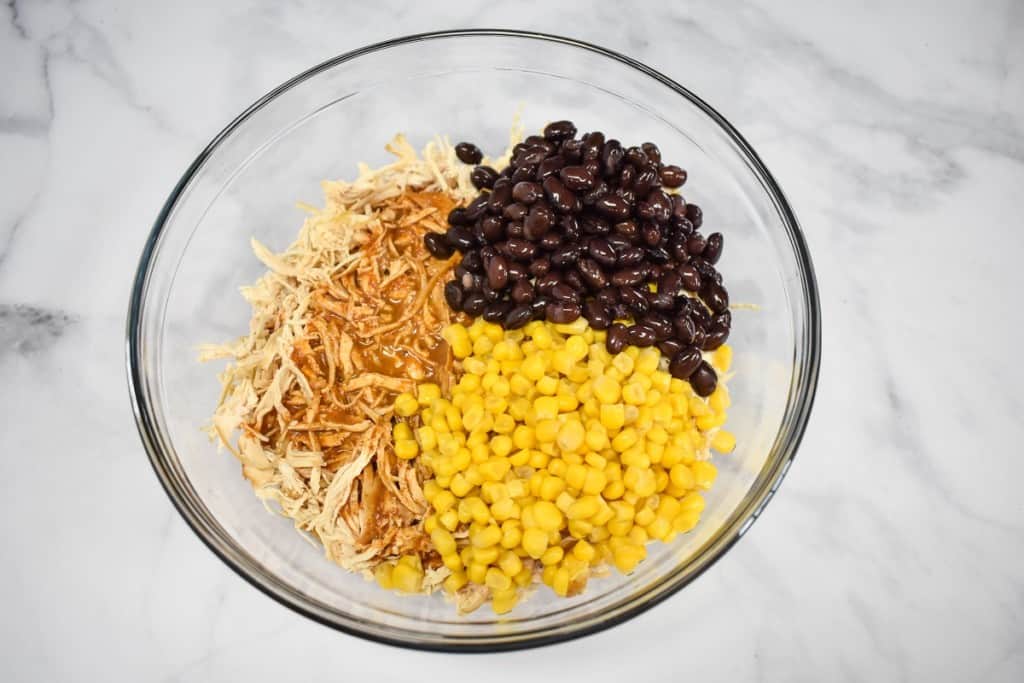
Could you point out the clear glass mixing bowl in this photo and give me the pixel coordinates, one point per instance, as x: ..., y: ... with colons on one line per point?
x: 468, y: 85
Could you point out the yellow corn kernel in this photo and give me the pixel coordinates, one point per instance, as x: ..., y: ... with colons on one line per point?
x: 625, y: 440
x: 534, y: 367
x: 406, y: 449
x: 624, y: 363
x: 697, y: 407
x: 535, y: 542
x: 685, y: 521
x: 570, y: 436
x: 427, y: 393
x: 383, y: 574
x: 647, y: 361
x: 427, y: 438
x: 692, y: 502
x: 476, y: 572
x: 613, y: 490
x: 406, y: 578
x: 443, y: 541
x: 510, y: 563
x: 449, y: 519
x: 545, y: 408
x: 505, y: 509
x: 551, y: 487
x: 547, y: 516
x: 497, y: 580
x: 495, y: 469
x: 539, y: 458
x: 634, y: 394
x: 546, y: 431
x: 644, y: 516
x: 704, y: 474
x: 723, y: 441
x: 682, y: 476
x: 547, y: 385
x: 443, y: 501
x: 584, y: 507
x: 594, y: 481
x: 668, y: 507
x: 659, y: 529
x: 560, y: 582
x: 460, y: 486
x: 402, y: 432
x: 511, y: 536
x: 575, y: 476
x: 520, y: 385
x: 722, y: 358
x: 612, y: 416
x: 606, y: 389
x: 406, y: 404
x: 552, y: 555
x: 524, y: 578
x: 580, y: 528
x: 485, y: 537
x: 638, y: 535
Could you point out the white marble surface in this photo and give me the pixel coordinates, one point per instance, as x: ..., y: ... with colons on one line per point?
x: 895, y: 549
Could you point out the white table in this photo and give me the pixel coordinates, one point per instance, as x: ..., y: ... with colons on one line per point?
x: 895, y: 548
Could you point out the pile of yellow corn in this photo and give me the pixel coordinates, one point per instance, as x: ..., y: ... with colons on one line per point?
x: 552, y: 455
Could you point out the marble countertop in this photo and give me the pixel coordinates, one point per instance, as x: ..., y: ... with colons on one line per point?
x: 895, y: 548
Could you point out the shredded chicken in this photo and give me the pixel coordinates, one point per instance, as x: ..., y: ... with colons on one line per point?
x: 345, y: 318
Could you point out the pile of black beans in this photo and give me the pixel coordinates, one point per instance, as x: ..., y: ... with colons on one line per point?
x: 581, y: 226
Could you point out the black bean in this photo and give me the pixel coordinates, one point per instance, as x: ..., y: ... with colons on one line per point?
x: 438, y: 245
x: 592, y: 145
x: 621, y: 311
x: 685, y: 362
x: 497, y: 272
x: 460, y: 238
x: 706, y: 270
x: 514, y: 229
x: 631, y: 275
x: 472, y: 262
x: 468, y: 153
x: 561, y: 197
x: 685, y: 328
x: 716, y: 336
x: 600, y: 190
x: 658, y: 255
x: 490, y: 293
x: 597, y: 315
x: 704, y: 380
x: 713, y: 249
x: 646, y: 180
x: 592, y: 167
x: 483, y: 177
x: 549, y: 166
x: 651, y: 234
x: 633, y: 299
x: 669, y: 348
x: 679, y: 209
x: 670, y: 284
x: 500, y: 195
x: 577, y: 178
x: 636, y: 156
x: 474, y: 303
x: 611, y: 158
x: 547, y: 281
x: 458, y: 217
x: 570, y: 228
x: 573, y: 279
x: 631, y: 256
x: 641, y: 335
x: 652, y: 152
x: 690, y: 278
x: 515, y: 211
x: 700, y: 315
x: 677, y: 247
x: 661, y: 325
x: 696, y: 244
x: 724, y: 319
x: 699, y: 336
x: 572, y: 151
x: 626, y: 176
x: 565, y: 255
x: 496, y: 312
x: 661, y: 205
x: 695, y: 215
x: 617, y: 338
x: 672, y: 176
x: 601, y: 251
x: 531, y: 156
x: 453, y: 294
x: 558, y: 131
x: 535, y: 141
x: 591, y: 273
x: 716, y: 297
x: 661, y: 301
x: 538, y: 221
x: 527, y: 192
x: 476, y: 208
x: 523, y: 174
x: 518, y: 317
x: 492, y: 228
x: 538, y: 306
x: 563, y: 292
x: 517, y: 271
x: 540, y: 267
x: 472, y: 282
x: 523, y: 292
x: 561, y: 312
x: 550, y: 241
x: 613, y: 206
x: 617, y: 241
x: 608, y: 296
x: 520, y: 249
x: 595, y: 225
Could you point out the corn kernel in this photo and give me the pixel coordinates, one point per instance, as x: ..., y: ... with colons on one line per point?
x: 571, y: 435
x: 625, y: 440
x: 612, y: 416
x: 535, y: 542
x: 624, y: 363
x: 495, y: 469
x: 594, y: 481
x: 511, y: 537
x: 704, y: 474
x: 551, y: 487
x: 723, y: 441
x: 547, y: 385
x: 682, y: 476
x: 406, y: 578
x: 552, y: 555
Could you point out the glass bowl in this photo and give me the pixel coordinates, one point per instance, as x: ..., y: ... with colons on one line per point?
x: 468, y: 85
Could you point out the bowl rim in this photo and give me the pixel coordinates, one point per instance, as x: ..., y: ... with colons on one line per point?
x: 802, y: 396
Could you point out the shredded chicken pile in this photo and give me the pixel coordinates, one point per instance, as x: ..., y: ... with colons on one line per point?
x: 347, y: 317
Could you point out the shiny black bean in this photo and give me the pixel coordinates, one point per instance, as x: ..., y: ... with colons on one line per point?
x: 490, y: 294
x: 562, y: 198
x: 677, y: 247
x: 548, y: 167
x: 696, y: 244
x: 514, y: 229
x: 540, y: 266
x: 628, y: 196
x: 517, y: 317
x: 613, y: 206
x: 700, y: 315
x: 563, y: 292
x: 641, y: 335
x: 474, y: 303
x: 453, y: 294
x: 591, y: 273
x: 685, y: 328
x: 685, y: 362
x: 630, y: 256
x: 652, y: 152
x: 706, y: 270
x: 704, y: 380
x: 468, y: 153
x: 644, y: 210
x: 611, y: 158
x: 671, y: 284
x: 617, y: 338
x: 636, y: 156
x: 573, y: 279
x: 521, y: 250
x: 593, y: 167
x: 619, y: 241
x: 492, y: 228
x: 631, y: 275
x: 438, y: 246
x: 577, y: 178
x: 646, y: 180
x: 695, y: 215
x: 601, y: 251
x: 633, y: 299
x: 496, y: 312
x: 661, y: 301
x: 592, y: 145
x: 566, y: 255
x: 670, y: 347
x: 561, y: 312
x: 716, y: 297
x: 460, y: 238
x: 658, y: 255
x: 538, y: 221
x: 550, y: 241
x: 536, y: 141
x: 716, y: 336
x: 515, y: 211
x: 531, y: 156
x: 572, y: 151
x: 724, y: 319
x: 538, y: 306
x: 600, y: 190
x: 594, y: 225
x: 713, y: 249
x: 571, y: 229
x: 483, y: 177
x: 672, y: 176
x: 660, y: 323
x: 608, y: 296
x: 699, y: 336
x: 458, y: 217
x: 678, y: 209
x: 472, y: 282
x: 690, y: 277
x: 661, y: 205
x: 547, y: 281
x: 523, y: 292
x: 597, y: 315
x: 621, y: 311
x: 476, y: 208
x: 557, y: 131
x: 497, y: 272
x: 651, y: 234
x: 472, y: 262
x: 527, y: 192
x: 501, y: 195
x: 626, y: 176
x: 523, y: 174
x: 517, y: 271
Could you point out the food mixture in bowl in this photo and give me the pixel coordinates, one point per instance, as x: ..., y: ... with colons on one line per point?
x: 482, y: 376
